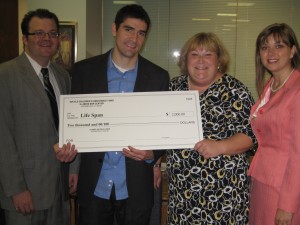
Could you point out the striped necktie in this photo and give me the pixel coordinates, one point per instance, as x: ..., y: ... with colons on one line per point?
x: 51, y: 95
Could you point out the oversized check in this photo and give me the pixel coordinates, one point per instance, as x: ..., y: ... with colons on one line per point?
x: 144, y: 120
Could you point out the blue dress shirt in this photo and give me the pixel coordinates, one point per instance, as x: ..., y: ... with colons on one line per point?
x: 113, y: 170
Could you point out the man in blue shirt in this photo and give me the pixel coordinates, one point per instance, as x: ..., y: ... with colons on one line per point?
x: 119, y: 185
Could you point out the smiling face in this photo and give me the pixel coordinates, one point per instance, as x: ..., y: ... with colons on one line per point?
x: 202, y: 65
x: 41, y: 49
x: 276, y: 56
x: 129, y: 39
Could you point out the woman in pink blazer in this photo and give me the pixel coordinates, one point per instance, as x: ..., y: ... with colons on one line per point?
x: 275, y: 120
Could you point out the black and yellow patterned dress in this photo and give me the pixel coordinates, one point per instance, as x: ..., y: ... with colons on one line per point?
x: 212, y: 191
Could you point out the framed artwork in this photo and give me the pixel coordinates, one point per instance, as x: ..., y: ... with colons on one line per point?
x: 66, y: 56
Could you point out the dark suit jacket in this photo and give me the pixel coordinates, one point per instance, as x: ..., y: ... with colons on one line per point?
x: 27, y: 134
x: 90, y: 76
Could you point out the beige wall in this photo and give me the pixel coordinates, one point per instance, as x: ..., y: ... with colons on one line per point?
x: 22, y: 11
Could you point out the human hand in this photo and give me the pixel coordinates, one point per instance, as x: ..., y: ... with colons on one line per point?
x: 157, y: 177
x: 66, y: 153
x: 283, y: 218
x: 136, y: 154
x: 23, y: 203
x: 208, y: 148
x: 73, y: 181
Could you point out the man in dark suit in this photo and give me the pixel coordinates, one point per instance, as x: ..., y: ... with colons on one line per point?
x: 119, y: 184
x: 34, y: 185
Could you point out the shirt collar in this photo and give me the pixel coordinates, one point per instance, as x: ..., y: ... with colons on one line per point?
x: 112, y: 66
x: 37, y: 68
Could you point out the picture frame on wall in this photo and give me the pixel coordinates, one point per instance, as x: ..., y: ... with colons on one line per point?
x: 66, y: 56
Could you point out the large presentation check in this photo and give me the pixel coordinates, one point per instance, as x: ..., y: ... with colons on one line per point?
x: 143, y: 120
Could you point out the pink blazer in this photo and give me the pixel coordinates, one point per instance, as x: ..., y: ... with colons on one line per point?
x: 277, y: 129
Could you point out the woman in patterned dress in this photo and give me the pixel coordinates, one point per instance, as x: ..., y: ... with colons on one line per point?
x: 209, y: 184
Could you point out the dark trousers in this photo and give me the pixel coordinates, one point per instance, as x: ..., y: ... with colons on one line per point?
x: 2, y: 218
x: 112, y: 212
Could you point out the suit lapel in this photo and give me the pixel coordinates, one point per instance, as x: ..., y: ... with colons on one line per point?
x: 59, y: 79
x: 98, y: 75
x: 103, y: 82
x: 142, y: 76
x: 30, y: 78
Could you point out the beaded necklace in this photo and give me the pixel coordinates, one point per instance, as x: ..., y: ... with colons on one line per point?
x: 286, y: 79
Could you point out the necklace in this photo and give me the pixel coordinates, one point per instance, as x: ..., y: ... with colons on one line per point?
x: 280, y: 86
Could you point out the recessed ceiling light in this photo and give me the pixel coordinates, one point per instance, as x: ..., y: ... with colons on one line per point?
x: 242, y: 21
x: 124, y: 2
x: 229, y: 25
x: 200, y: 19
x: 176, y: 54
x: 226, y: 14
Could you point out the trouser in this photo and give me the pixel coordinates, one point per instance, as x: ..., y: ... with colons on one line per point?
x: 57, y: 214
x: 113, y: 212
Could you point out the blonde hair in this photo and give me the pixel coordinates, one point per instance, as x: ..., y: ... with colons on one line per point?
x: 209, y: 41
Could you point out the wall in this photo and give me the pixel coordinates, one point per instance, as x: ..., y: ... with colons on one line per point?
x: 93, y: 28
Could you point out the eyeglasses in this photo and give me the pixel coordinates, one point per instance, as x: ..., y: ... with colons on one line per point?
x: 42, y: 34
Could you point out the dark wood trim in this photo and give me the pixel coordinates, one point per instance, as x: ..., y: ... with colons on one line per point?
x: 9, y: 39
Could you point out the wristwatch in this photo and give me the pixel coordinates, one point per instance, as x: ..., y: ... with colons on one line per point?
x: 157, y: 165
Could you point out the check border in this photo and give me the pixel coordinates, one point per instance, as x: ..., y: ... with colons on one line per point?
x: 70, y: 109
